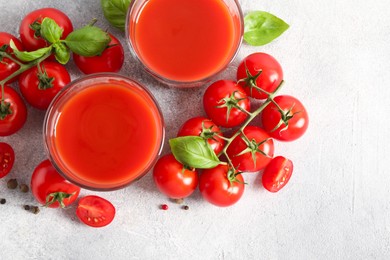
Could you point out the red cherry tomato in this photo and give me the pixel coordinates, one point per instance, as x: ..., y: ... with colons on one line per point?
x: 253, y: 155
x: 50, y: 188
x: 7, y: 66
x: 28, y: 36
x: 216, y: 188
x: 7, y: 159
x: 293, y: 124
x: 269, y: 79
x: 172, y: 179
x: 11, y: 123
x: 201, y: 126
x: 111, y: 60
x: 219, y: 99
x: 39, y: 93
x: 95, y: 211
x: 277, y: 174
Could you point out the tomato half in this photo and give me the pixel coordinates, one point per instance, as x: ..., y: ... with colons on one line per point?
x: 292, y: 124
x: 7, y: 159
x: 221, y: 186
x: 172, y: 179
x: 222, y: 102
x: 50, y: 188
x: 95, y: 211
x: 252, y: 153
x: 277, y: 174
x: 261, y: 70
x: 31, y: 38
x: 13, y: 117
x: 7, y: 66
x: 203, y: 127
x: 111, y: 60
x: 40, y: 89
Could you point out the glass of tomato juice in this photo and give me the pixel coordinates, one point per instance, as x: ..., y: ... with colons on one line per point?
x: 103, y: 131
x: 184, y: 43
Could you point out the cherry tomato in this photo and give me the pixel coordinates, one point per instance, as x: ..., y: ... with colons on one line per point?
x: 7, y: 66
x: 111, y: 60
x: 201, y: 126
x: 252, y: 153
x: 294, y: 122
x: 220, y: 101
x: 172, y: 179
x: 221, y: 186
x: 50, y: 188
x: 277, y: 173
x: 95, y: 211
x: 7, y: 159
x: 31, y: 39
x: 269, y: 79
x: 40, y: 89
x: 13, y: 118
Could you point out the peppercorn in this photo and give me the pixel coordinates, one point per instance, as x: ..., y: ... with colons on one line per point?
x: 185, y: 207
x: 164, y: 207
x: 27, y: 207
x: 23, y: 188
x: 12, y: 184
x: 35, y: 209
x: 3, y: 201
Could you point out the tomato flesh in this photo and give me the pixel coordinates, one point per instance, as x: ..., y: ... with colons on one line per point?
x: 95, y: 211
x: 7, y: 159
x: 277, y: 174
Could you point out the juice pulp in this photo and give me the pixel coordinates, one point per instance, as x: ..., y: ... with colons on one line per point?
x: 108, y: 134
x: 185, y: 40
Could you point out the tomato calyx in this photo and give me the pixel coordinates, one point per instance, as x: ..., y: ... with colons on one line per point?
x: 230, y: 103
x: 36, y: 27
x: 232, y: 176
x: 45, y: 82
x: 253, y: 147
x: 5, y: 109
x: 284, y: 117
x: 208, y: 132
x: 58, y: 197
x: 250, y: 80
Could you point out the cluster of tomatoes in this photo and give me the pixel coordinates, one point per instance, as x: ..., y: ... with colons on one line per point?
x: 250, y: 148
x: 38, y: 86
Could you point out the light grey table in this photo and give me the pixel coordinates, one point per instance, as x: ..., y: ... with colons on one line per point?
x: 336, y: 59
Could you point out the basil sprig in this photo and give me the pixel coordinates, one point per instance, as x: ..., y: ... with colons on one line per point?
x: 50, y: 30
x: 28, y: 56
x: 115, y: 12
x: 194, y: 151
x: 262, y: 28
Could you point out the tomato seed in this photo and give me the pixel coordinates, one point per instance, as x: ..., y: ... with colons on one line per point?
x: 12, y: 184
x: 23, y: 188
x: 164, y: 207
x: 3, y: 201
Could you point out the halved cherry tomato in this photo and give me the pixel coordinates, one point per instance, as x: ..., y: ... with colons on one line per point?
x: 172, y: 179
x: 7, y: 66
x: 7, y: 159
x: 12, y: 118
x: 95, y: 211
x: 277, y: 174
x: 203, y: 127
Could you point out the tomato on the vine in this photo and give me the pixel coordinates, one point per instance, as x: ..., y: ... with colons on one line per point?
x: 95, y: 211
x: 252, y: 150
x: 111, y: 59
x: 40, y: 85
x: 203, y: 127
x: 7, y: 159
x: 277, y: 173
x: 30, y: 27
x: 13, y: 112
x: 259, y: 70
x: 221, y: 186
x: 173, y: 179
x: 50, y: 188
x: 287, y: 124
x: 7, y: 66
x: 226, y: 103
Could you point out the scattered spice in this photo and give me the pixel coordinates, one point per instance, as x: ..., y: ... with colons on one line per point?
x: 12, y: 184
x: 24, y: 188
x: 186, y: 207
x: 3, y: 201
x: 164, y: 207
x: 35, y: 209
x: 27, y: 207
x: 179, y: 201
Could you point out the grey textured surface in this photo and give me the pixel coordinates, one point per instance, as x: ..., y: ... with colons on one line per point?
x: 336, y: 58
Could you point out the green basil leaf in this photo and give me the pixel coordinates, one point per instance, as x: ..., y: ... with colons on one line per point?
x: 194, y: 151
x: 88, y: 41
x: 115, y: 12
x: 61, y: 52
x: 262, y: 28
x: 50, y: 30
x: 29, y: 56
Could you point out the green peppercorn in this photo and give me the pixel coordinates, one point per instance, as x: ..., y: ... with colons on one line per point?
x: 12, y: 184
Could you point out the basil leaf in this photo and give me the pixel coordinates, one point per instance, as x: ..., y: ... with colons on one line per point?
x: 88, y: 41
x: 61, y: 52
x: 115, y: 12
x: 50, y: 30
x: 194, y: 151
x: 262, y: 28
x: 29, y: 56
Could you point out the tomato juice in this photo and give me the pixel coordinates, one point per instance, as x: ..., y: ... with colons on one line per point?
x: 104, y: 134
x: 185, y: 40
